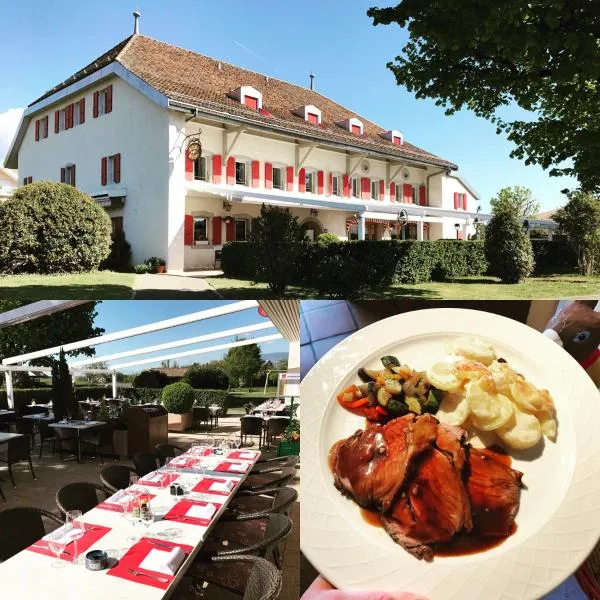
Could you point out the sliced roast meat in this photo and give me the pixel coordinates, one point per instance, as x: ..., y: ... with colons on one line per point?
x: 494, y: 489
x: 371, y: 466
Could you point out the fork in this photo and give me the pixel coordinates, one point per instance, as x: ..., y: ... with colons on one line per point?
x: 155, y: 577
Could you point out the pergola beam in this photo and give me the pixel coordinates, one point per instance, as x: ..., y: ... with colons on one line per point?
x: 35, y: 310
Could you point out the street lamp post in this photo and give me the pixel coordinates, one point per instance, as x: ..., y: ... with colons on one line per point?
x: 457, y: 227
x: 402, y: 219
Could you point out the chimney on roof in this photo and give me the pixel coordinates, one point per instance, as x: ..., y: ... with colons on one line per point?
x: 136, y: 21
x: 312, y: 80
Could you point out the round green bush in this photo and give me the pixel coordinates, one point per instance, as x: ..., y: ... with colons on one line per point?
x: 52, y: 228
x: 206, y: 378
x: 178, y: 398
x: 141, y: 269
x: 507, y: 248
x: 327, y: 238
x: 150, y: 379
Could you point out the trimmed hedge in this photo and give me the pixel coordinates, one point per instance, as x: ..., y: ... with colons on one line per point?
x: 202, y: 377
x: 44, y: 395
x: 553, y: 255
x: 178, y: 398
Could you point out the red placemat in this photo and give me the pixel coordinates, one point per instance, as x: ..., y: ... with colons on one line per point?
x: 166, y: 480
x: 137, y: 553
x: 177, y: 513
x: 203, y: 486
x: 224, y: 467
x: 238, y: 455
x: 187, y: 462
x: 119, y: 507
x: 92, y: 534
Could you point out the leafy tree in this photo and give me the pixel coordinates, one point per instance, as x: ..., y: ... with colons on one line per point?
x: 169, y: 364
x: 64, y: 402
x: 58, y: 329
x: 541, y: 55
x: 507, y: 248
x: 242, y: 364
x: 96, y: 378
x: 206, y: 378
x: 579, y: 221
x: 279, y: 239
x: 517, y: 199
x: 150, y: 379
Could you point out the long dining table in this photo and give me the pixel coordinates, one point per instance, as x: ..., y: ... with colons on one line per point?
x: 32, y: 572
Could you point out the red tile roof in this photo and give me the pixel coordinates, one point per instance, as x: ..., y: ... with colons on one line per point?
x: 203, y: 82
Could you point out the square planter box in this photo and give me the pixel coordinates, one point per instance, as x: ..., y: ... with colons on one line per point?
x: 120, y: 443
x: 288, y: 449
x: 181, y: 422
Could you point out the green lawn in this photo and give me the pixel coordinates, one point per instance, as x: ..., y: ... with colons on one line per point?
x: 468, y: 288
x: 97, y: 285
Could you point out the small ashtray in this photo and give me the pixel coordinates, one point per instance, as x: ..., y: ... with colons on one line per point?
x: 96, y: 560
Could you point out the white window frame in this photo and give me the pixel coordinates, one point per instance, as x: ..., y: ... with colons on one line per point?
x: 43, y: 128
x: 69, y: 173
x: 336, y: 182
x: 247, y: 169
x: 208, y: 219
x: 312, y: 175
x: 247, y: 223
x: 399, y: 192
x: 357, y: 181
x: 374, y: 189
x: 207, y: 167
x: 282, y: 181
x: 415, y: 194
x: 102, y: 96
x: 76, y: 113
x: 62, y: 119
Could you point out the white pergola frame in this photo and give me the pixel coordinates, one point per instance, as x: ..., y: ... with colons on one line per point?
x: 78, y: 367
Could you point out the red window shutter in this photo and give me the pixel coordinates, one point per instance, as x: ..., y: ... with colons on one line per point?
x: 69, y: 116
x: 251, y: 102
x: 331, y: 184
x: 397, y: 140
x: 381, y: 189
x: 255, y: 173
x: 422, y: 196
x: 103, y: 171
x: 230, y: 230
x: 313, y: 118
x: 216, y: 231
x: 82, y: 111
x: 37, y: 130
x: 230, y: 170
x: 109, y: 98
x: 393, y: 191
x: 289, y: 183
x: 268, y: 176
x: 63, y: 175
x: 56, y: 120
x: 73, y: 176
x: 189, y: 167
x: 302, y: 180
x: 356, y: 129
x: 455, y: 200
x: 46, y: 126
x: 407, y: 193
x: 320, y: 181
x: 464, y: 202
x: 217, y: 168
x: 188, y: 230
x: 117, y: 167
x: 346, y: 185
x: 365, y: 188
x: 96, y: 99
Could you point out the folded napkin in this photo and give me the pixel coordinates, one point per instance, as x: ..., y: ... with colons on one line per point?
x: 163, y: 562
x: 219, y: 486
x: 154, y: 476
x: 249, y: 455
x: 199, y: 511
x: 65, y: 534
x: 180, y: 460
x: 119, y: 497
x: 240, y: 467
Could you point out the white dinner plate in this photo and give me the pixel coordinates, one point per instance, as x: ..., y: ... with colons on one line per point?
x: 558, y: 522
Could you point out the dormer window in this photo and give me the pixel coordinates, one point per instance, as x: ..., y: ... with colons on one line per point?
x: 353, y: 125
x: 310, y: 113
x: 249, y: 96
x: 394, y: 136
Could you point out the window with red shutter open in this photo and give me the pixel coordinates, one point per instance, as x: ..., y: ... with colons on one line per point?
x: 356, y: 129
x: 251, y: 102
x: 313, y: 118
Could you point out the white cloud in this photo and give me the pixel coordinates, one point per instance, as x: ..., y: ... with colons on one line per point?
x: 9, y: 121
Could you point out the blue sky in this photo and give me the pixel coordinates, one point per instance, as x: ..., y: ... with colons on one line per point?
x: 45, y: 42
x: 115, y: 315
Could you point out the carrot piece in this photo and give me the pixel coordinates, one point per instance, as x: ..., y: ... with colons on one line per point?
x: 358, y: 403
x: 382, y: 411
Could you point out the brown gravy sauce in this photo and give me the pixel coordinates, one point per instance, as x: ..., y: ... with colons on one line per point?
x: 465, y: 543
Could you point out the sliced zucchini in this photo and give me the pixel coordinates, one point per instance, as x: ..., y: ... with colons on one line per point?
x: 368, y: 374
x: 383, y: 396
x: 396, y: 407
x: 413, y: 404
x: 370, y: 387
x: 393, y: 387
x: 390, y: 361
x: 430, y: 404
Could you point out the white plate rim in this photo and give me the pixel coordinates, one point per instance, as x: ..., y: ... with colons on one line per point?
x: 528, y: 571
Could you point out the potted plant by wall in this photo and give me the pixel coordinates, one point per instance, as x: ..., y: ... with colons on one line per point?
x: 178, y: 400
x: 156, y: 265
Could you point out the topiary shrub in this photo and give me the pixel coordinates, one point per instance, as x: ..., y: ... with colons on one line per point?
x: 52, y: 228
x: 150, y: 379
x: 141, y: 269
x: 208, y: 378
x: 327, y: 238
x: 507, y: 248
x: 178, y: 398
x: 120, y: 253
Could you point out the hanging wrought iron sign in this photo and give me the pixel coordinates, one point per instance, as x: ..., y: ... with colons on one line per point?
x: 194, y: 149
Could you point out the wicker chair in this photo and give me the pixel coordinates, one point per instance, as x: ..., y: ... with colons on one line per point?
x: 201, y: 415
x: 47, y: 434
x: 251, y: 425
x: 166, y: 451
x: 99, y: 439
x: 267, y: 481
x: 145, y: 463
x: 18, y: 450
x: 251, y: 505
x: 276, y: 426
x: 81, y: 496
x: 275, y: 465
x: 65, y: 439
x: 260, y: 537
x: 116, y: 477
x: 26, y: 427
x: 262, y: 580
x: 21, y: 527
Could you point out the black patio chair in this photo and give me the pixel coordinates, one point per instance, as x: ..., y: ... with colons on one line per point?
x: 21, y: 527
x: 276, y: 426
x: 116, y: 477
x: 65, y: 440
x: 26, y: 427
x: 100, y: 439
x: 166, y: 451
x: 256, y: 578
x: 251, y: 426
x: 201, y: 416
x: 47, y: 434
x: 145, y: 463
x: 81, y: 496
x: 277, y: 464
x: 18, y: 450
x: 248, y: 504
x: 267, y: 481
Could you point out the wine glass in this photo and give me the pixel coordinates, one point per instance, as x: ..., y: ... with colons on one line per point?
x: 237, y: 442
x: 133, y: 479
x: 75, y: 524
x: 57, y: 543
x: 146, y: 516
x: 195, y: 448
x: 131, y: 513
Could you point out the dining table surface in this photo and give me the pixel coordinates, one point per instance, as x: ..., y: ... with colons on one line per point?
x: 33, y: 572
x: 39, y: 417
x: 5, y: 437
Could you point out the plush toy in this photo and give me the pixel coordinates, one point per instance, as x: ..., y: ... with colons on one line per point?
x: 577, y: 329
